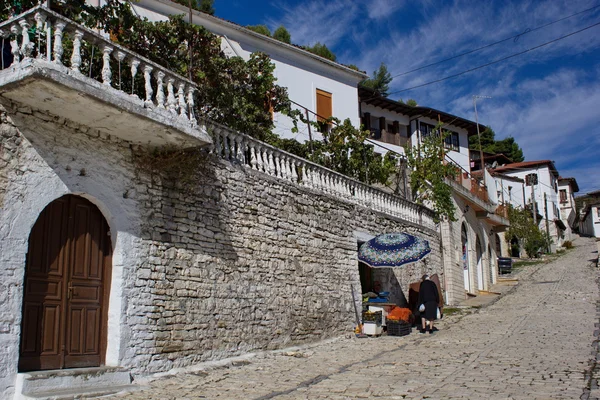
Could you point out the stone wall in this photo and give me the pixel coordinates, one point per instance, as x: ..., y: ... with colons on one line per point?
x: 243, y: 261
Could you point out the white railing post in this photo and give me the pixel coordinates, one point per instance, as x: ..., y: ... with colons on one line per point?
x: 171, y: 102
x: 190, y: 104
x: 106, y: 72
x: 58, y: 47
x: 134, y: 63
x: 181, y: 99
x: 160, y: 90
x: 14, y: 44
x: 40, y: 19
x: 76, y: 56
x: 26, y: 45
x: 148, y: 85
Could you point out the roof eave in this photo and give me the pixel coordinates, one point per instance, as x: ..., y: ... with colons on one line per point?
x: 357, y: 75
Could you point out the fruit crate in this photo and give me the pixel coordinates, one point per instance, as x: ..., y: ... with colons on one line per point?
x: 372, y: 316
x: 398, y: 328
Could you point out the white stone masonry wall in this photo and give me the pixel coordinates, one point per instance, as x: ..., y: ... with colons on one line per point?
x: 243, y: 262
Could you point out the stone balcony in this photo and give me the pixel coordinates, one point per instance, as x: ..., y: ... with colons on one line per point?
x: 158, y: 110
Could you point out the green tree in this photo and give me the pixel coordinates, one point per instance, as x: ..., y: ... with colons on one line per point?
x: 206, y: 6
x: 262, y: 29
x: 321, y: 50
x: 489, y: 144
x: 510, y: 149
x: 411, y: 102
x: 283, y: 35
x: 530, y: 236
x: 380, y: 81
x: 428, y: 175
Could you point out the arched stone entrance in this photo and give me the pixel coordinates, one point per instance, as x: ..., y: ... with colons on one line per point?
x: 67, y: 282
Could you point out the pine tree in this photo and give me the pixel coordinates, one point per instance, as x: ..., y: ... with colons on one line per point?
x: 282, y: 34
x: 380, y: 81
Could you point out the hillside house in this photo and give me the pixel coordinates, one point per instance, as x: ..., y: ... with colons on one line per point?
x: 567, y: 187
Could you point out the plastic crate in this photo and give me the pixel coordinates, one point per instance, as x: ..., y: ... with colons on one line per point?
x: 372, y: 316
x: 398, y: 328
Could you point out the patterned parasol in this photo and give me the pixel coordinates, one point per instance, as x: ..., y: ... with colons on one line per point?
x: 393, y: 250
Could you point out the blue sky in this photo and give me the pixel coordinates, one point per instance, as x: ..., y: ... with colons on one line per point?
x: 547, y: 99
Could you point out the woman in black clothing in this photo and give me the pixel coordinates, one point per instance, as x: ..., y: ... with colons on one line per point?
x: 430, y: 298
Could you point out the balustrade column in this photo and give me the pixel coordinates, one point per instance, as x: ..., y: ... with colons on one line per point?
x: 271, y: 164
x: 190, y: 104
x: 181, y: 99
x: 295, y: 166
x: 48, y: 40
x: 253, y: 161
x: 226, y: 146
x: 106, y: 72
x: 76, y: 56
x: 160, y: 90
x: 218, y: 142
x: 134, y: 64
x: 58, y: 47
x: 239, y: 149
x: 148, y: 85
x: 14, y: 44
x: 40, y: 19
x: 120, y: 56
x: 26, y: 45
x: 171, y: 102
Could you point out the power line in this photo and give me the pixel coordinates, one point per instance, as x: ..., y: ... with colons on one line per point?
x: 515, y: 37
x: 495, y: 61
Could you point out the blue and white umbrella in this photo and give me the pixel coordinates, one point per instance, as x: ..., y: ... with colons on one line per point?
x: 393, y: 250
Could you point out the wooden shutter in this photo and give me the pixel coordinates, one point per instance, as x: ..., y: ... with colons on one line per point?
x: 367, y: 121
x: 324, y: 105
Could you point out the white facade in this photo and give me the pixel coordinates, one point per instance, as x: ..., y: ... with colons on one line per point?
x: 544, y: 194
x: 508, y: 190
x: 590, y: 222
x: 298, y: 70
x: 566, y: 189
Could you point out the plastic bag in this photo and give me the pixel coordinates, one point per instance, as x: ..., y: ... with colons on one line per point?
x: 422, y: 308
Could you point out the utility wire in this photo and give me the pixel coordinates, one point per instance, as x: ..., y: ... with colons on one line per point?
x: 495, y: 61
x: 515, y: 38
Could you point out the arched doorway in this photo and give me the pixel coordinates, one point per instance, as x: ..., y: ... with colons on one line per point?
x: 67, y: 281
x: 465, y: 257
x: 479, y: 263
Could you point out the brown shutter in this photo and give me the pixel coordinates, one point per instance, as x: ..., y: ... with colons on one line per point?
x: 367, y: 121
x: 324, y: 105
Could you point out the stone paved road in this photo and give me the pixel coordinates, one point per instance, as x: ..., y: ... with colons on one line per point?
x: 535, y: 342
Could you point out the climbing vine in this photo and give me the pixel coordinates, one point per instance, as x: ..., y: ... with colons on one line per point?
x: 429, y: 172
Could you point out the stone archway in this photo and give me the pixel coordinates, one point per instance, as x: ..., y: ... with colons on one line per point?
x: 67, y: 283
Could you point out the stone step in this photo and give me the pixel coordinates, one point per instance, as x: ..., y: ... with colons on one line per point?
x: 78, y: 393
x: 72, y: 383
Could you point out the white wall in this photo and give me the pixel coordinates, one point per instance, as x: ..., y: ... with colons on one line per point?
x: 514, y: 196
x: 302, y: 74
x: 403, y: 120
x: 591, y: 224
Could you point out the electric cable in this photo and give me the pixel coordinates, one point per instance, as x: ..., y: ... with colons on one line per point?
x: 492, y: 62
x: 515, y: 38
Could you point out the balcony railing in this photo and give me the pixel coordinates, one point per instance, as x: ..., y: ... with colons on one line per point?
x: 253, y: 154
x: 42, y: 39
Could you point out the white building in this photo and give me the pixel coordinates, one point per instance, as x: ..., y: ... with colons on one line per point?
x: 567, y: 187
x: 590, y: 220
x: 471, y: 244
x: 541, y: 195
x: 316, y: 83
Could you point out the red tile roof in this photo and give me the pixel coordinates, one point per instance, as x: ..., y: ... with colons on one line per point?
x: 528, y: 165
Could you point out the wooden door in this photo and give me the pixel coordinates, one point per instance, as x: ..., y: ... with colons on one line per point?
x: 66, y: 288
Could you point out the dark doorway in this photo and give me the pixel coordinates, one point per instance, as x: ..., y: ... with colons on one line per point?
x: 67, y: 279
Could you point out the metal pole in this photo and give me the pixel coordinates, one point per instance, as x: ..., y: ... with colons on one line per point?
x: 482, y: 162
x: 533, y: 205
x: 547, y: 223
x: 190, y: 43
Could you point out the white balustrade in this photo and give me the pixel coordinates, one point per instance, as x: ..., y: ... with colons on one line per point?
x: 76, y: 56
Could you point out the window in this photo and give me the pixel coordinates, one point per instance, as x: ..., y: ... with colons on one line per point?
x: 324, y: 109
x: 563, y: 195
x: 450, y: 142
x: 390, y: 128
x: 426, y: 130
x: 598, y: 211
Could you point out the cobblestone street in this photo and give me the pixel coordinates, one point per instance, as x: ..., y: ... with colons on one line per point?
x: 534, y: 342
